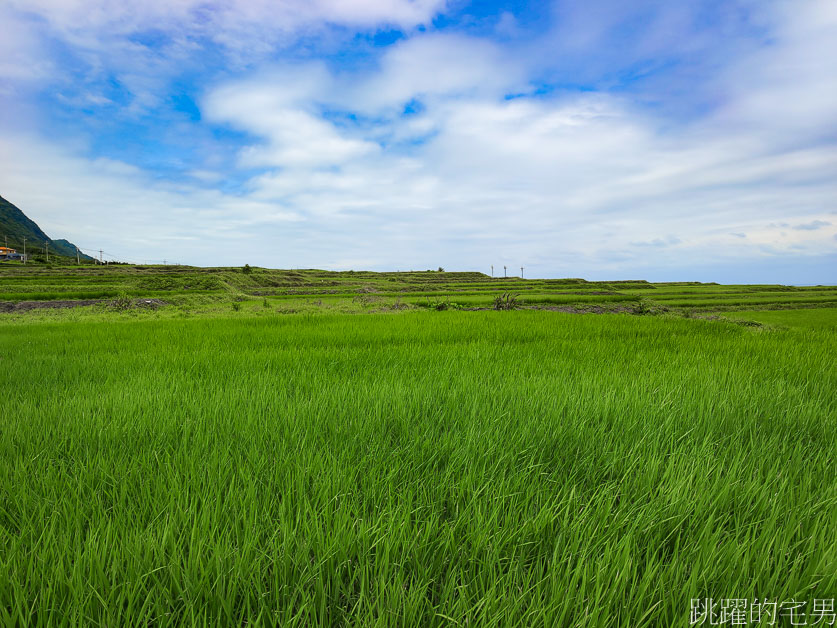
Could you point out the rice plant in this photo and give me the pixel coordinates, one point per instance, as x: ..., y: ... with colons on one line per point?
x: 419, y: 468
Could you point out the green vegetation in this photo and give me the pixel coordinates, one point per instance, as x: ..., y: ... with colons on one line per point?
x: 825, y: 318
x: 302, y: 289
x: 15, y: 226
x: 206, y: 458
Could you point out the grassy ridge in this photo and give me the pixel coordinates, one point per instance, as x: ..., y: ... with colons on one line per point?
x: 484, y: 468
x: 420, y: 289
x: 819, y: 318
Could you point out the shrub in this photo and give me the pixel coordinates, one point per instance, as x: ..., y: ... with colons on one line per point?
x: 122, y: 302
x: 506, y: 301
x: 642, y: 307
x: 440, y: 305
x: 246, y: 269
x: 365, y: 299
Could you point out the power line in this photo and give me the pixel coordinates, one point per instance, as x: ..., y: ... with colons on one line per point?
x: 90, y: 252
x: 116, y: 257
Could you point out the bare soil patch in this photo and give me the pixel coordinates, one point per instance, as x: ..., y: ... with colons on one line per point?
x: 27, y: 306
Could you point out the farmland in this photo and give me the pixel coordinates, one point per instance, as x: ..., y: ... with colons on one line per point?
x: 230, y: 446
x: 213, y: 290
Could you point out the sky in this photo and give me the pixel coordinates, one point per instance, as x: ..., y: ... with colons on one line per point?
x: 659, y: 140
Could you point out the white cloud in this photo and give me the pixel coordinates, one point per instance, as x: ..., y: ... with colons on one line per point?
x: 433, y: 66
x: 117, y: 207
x: 83, y: 19
x: 544, y: 181
x: 144, y: 44
x: 787, y: 89
x: 274, y: 108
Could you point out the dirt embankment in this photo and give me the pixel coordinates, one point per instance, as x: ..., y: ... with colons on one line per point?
x: 26, y: 306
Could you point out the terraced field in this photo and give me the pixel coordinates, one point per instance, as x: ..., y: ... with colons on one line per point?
x: 307, y: 290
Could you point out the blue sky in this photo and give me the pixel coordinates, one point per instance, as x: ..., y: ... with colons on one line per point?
x: 604, y: 139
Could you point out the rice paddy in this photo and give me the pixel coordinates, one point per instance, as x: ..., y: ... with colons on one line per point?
x: 336, y: 451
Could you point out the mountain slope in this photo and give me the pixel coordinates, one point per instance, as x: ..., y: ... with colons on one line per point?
x: 65, y: 247
x: 15, y: 225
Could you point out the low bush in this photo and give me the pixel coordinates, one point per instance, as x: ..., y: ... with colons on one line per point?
x: 122, y: 302
x: 506, y: 301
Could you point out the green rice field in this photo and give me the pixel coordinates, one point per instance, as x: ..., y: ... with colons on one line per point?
x: 312, y: 448
x: 190, y: 290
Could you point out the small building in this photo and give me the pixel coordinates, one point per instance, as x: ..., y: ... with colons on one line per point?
x: 11, y: 255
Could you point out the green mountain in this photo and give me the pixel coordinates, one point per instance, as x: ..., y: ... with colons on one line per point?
x: 15, y: 225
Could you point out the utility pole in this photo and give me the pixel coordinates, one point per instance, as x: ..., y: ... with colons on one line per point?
x: 492, y: 271
x: 78, y: 261
x: 46, y: 244
x: 100, y: 257
x: 504, y: 272
x: 24, y: 249
x: 521, y: 272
